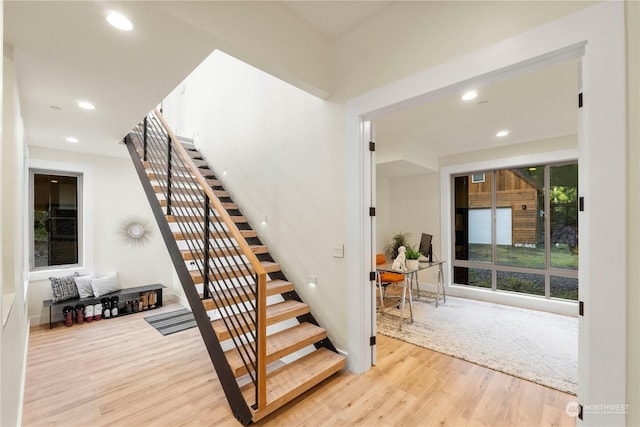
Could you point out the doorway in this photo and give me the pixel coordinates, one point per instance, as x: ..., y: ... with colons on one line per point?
x: 599, y: 33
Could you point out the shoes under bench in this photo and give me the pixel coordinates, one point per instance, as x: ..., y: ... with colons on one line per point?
x: 107, y: 308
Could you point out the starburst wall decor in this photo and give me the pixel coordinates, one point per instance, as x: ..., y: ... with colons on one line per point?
x: 135, y: 231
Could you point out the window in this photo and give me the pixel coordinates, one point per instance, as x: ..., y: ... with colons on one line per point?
x: 477, y: 178
x: 517, y: 230
x: 56, y: 219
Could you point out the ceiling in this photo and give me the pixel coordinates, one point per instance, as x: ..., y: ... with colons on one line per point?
x: 538, y: 105
x: 334, y: 18
x: 77, y: 56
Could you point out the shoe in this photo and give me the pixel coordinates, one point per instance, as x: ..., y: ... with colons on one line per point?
x: 88, y: 313
x: 127, y: 307
x: 144, y: 300
x: 106, y: 307
x: 79, y: 314
x: 152, y: 299
x: 134, y: 306
x: 97, y: 311
x: 67, y: 313
x: 114, y: 306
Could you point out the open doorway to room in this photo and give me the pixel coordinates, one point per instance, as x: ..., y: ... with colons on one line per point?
x: 598, y: 35
x: 492, y: 173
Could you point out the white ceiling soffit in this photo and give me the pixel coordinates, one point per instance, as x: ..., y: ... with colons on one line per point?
x: 65, y: 51
x: 396, y: 168
x: 538, y: 105
x: 334, y: 18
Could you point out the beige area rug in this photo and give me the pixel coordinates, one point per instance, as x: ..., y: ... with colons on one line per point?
x: 533, y: 345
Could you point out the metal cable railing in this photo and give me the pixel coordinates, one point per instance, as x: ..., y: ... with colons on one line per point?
x: 218, y: 256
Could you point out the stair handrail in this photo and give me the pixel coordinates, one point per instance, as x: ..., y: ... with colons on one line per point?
x: 261, y: 274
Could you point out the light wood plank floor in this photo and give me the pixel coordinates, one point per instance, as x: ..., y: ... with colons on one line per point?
x: 121, y: 372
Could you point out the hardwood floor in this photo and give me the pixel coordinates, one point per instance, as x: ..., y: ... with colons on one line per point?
x: 123, y: 372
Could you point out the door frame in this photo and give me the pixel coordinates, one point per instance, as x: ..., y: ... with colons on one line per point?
x: 598, y: 29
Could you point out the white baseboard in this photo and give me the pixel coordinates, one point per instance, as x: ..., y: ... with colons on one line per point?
x: 175, y: 298
x: 24, y: 373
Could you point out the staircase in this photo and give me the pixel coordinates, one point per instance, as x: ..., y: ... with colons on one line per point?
x: 234, y: 287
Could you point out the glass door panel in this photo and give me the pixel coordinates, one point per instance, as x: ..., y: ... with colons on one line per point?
x: 473, y: 196
x: 563, y: 198
x: 520, y: 217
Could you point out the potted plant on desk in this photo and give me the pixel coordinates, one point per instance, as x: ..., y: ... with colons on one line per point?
x: 391, y: 250
x: 412, y: 256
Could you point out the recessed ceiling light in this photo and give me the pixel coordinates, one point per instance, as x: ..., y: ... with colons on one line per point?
x: 72, y: 140
x: 468, y: 96
x: 502, y: 133
x: 86, y: 105
x: 119, y: 21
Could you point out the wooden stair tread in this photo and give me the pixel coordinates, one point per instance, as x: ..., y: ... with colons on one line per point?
x: 275, y: 313
x: 290, y: 381
x: 182, y: 166
x: 228, y: 273
x: 238, y: 219
x: 182, y: 178
x: 279, y: 345
x: 231, y: 251
x: 274, y: 287
x: 194, y: 203
x: 198, y: 234
x: 197, y: 162
x: 187, y: 190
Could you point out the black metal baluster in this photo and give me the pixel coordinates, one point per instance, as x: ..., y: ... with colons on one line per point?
x: 168, y: 174
x: 257, y: 337
x: 206, y: 246
x: 144, y: 141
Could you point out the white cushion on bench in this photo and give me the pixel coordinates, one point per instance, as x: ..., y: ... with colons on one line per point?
x: 105, y: 285
x: 84, y: 285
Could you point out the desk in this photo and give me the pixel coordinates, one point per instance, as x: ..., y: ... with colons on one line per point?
x: 439, y: 285
x: 410, y: 276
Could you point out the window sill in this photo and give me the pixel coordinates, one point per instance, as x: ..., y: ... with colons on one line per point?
x: 531, y: 302
x: 55, y: 272
x: 7, y: 305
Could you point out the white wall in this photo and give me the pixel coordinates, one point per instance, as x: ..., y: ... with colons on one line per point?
x: 413, y: 207
x: 408, y: 37
x: 633, y: 206
x: 561, y: 143
x: 267, y: 35
x: 116, y: 193
x: 283, y: 152
x: 15, y: 322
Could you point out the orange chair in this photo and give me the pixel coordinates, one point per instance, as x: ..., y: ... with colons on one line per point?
x: 385, y: 278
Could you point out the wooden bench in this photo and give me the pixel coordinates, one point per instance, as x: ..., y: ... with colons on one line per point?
x: 95, y: 300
